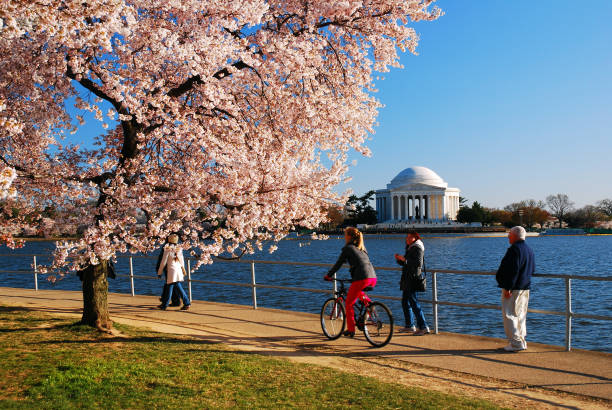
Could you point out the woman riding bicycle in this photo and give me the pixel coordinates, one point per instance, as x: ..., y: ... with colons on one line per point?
x: 362, y: 273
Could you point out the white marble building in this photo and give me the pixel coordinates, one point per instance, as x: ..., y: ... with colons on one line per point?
x: 417, y: 195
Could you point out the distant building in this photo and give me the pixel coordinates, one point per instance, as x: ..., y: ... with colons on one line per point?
x: 417, y: 195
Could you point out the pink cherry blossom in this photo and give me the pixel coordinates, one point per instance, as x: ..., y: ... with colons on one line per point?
x: 228, y: 121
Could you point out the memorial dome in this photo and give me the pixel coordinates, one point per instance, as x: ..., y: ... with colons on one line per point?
x: 417, y: 176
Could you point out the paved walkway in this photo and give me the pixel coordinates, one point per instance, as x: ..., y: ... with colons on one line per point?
x: 444, y: 356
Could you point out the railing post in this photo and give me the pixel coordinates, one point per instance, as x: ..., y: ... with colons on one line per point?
x: 568, y: 314
x: 131, y: 276
x: 189, y: 278
x: 35, y: 274
x: 434, y: 295
x: 253, y: 285
x: 335, y: 290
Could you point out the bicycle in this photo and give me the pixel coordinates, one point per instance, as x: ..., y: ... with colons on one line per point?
x: 373, y: 318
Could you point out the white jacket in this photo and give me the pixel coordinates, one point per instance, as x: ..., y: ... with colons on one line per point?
x: 175, y: 264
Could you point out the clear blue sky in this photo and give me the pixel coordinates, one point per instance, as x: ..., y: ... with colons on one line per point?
x: 507, y: 100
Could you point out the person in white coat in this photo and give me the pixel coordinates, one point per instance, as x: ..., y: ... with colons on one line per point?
x: 174, y: 263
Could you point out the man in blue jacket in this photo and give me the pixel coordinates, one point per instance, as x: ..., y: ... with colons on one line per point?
x: 514, y: 277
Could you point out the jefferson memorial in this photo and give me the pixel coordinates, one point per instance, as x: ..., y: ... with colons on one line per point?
x: 417, y: 195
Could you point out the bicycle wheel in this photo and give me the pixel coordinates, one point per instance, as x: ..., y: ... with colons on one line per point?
x: 378, y: 328
x: 333, y: 319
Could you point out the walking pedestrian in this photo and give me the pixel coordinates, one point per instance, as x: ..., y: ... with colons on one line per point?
x: 411, y: 282
x: 514, y: 278
x: 176, y: 299
x: 362, y: 274
x: 173, y: 261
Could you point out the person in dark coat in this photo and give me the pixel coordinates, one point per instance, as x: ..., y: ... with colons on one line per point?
x: 514, y: 278
x: 362, y: 274
x: 176, y: 299
x: 412, y: 271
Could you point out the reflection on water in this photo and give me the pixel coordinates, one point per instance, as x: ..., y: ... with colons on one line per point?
x: 577, y: 255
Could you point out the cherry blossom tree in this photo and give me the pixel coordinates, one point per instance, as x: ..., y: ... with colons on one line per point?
x: 228, y: 122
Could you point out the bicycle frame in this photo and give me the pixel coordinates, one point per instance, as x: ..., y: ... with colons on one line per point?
x: 340, y: 296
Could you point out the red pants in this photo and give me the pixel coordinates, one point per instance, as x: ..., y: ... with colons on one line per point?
x: 354, y: 292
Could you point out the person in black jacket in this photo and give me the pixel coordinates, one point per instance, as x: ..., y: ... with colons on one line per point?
x: 514, y: 277
x: 362, y: 274
x: 412, y: 267
x: 176, y: 299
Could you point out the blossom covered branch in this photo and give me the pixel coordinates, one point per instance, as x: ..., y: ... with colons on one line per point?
x: 228, y: 121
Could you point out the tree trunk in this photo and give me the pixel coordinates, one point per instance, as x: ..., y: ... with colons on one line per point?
x: 95, y: 296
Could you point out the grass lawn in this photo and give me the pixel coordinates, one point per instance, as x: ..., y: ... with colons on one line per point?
x: 47, y: 362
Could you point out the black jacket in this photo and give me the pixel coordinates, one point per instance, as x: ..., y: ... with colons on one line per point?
x: 360, y: 265
x: 516, y: 267
x: 159, y: 259
x: 412, y: 267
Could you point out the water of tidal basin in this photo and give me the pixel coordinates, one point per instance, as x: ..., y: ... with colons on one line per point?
x: 578, y: 255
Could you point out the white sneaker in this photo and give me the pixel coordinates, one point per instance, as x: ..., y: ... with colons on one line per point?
x: 511, y: 348
x: 408, y: 329
x: 421, y: 332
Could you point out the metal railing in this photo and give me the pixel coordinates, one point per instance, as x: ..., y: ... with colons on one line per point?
x: 435, y: 302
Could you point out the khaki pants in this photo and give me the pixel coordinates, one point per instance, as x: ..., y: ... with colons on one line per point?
x: 514, y: 311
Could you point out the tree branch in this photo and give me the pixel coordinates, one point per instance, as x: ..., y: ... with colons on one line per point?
x: 197, y: 79
x: 97, y: 179
x: 231, y: 258
x: 92, y: 87
x: 26, y: 173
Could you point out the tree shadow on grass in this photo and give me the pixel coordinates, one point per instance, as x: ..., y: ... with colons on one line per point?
x: 135, y: 339
x: 20, y: 329
x: 13, y: 309
x: 11, y: 316
x: 50, y: 327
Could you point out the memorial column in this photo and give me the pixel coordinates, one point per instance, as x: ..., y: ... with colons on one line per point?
x: 384, y: 200
x: 444, y: 207
x: 433, y: 207
x: 436, y: 210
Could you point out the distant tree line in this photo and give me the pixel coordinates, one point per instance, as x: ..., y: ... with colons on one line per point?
x: 529, y: 213
x: 532, y: 214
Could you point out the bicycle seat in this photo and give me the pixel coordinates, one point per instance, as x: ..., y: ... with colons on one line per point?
x: 368, y: 288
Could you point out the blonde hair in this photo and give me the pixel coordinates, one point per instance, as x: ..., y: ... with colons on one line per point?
x: 356, y: 237
x: 173, y: 239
